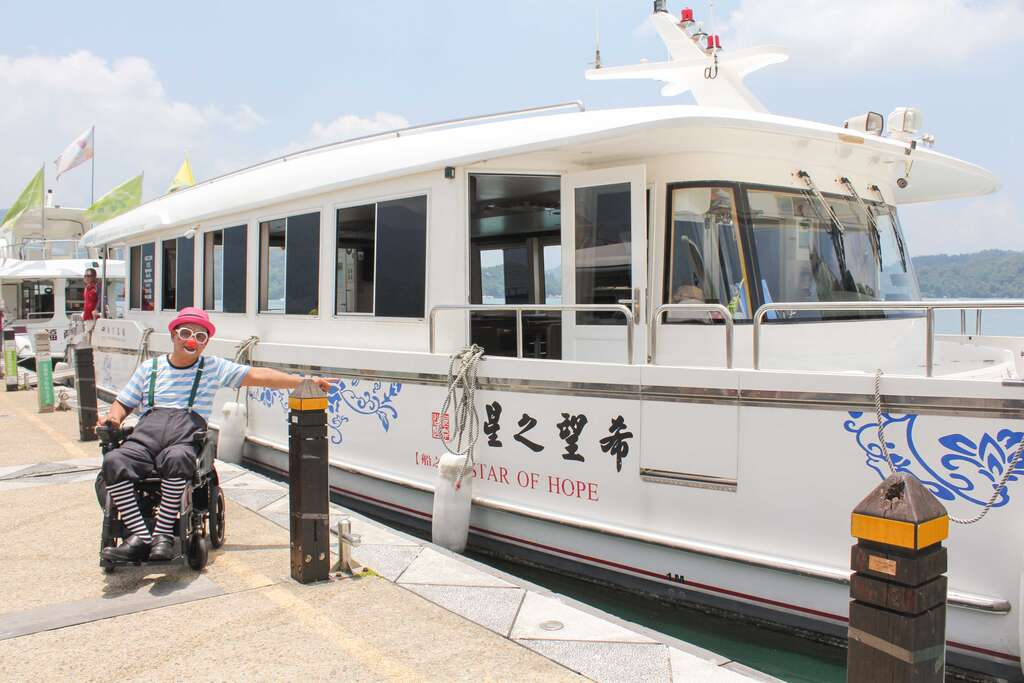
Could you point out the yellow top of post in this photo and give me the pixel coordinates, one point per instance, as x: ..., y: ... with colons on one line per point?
x: 307, y: 396
x: 900, y: 512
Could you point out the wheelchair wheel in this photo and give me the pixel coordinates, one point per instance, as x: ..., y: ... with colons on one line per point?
x: 217, y: 519
x: 198, y: 552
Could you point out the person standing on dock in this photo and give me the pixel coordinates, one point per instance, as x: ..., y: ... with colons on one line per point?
x: 90, y: 311
x: 175, y: 393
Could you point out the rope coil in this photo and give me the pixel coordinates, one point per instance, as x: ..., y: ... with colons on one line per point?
x: 462, y: 372
x: 1011, y: 464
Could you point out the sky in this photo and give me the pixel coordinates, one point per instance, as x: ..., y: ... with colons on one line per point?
x: 231, y: 84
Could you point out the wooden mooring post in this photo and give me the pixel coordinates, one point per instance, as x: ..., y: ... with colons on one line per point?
x: 897, y: 628
x: 309, y: 497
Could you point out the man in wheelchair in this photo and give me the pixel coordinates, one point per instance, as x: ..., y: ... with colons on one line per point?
x: 175, y: 393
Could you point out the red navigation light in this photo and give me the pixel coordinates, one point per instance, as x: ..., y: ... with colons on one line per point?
x: 686, y: 16
x: 714, y: 42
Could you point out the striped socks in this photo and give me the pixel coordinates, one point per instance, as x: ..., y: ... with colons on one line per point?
x: 171, y: 491
x: 123, y: 495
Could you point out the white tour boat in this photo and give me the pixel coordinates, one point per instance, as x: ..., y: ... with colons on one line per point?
x: 683, y: 310
x: 42, y: 276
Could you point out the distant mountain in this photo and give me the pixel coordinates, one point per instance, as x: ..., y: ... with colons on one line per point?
x: 993, y: 273
x: 3, y: 212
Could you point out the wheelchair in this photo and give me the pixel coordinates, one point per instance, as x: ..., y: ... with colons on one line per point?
x: 200, y: 520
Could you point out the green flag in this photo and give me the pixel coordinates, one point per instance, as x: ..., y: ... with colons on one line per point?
x: 31, y: 198
x: 122, y: 198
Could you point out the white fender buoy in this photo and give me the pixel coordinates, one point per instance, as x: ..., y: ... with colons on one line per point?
x: 450, y: 527
x: 232, y: 433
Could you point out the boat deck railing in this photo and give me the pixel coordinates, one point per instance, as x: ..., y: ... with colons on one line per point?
x: 662, y: 310
x: 929, y: 308
x: 535, y: 308
x: 42, y: 249
x: 720, y: 311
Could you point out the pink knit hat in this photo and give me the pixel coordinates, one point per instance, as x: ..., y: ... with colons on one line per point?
x: 191, y: 314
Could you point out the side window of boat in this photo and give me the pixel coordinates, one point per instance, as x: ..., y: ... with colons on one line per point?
x: 224, y: 276
x: 381, y: 258
x: 74, y: 295
x: 178, y: 268
x: 704, y: 254
x: 140, y: 281
x: 290, y: 265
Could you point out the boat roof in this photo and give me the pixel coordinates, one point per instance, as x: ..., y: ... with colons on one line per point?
x: 648, y: 130
x: 15, y: 269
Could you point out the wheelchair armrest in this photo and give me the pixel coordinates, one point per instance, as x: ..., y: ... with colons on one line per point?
x: 199, y: 438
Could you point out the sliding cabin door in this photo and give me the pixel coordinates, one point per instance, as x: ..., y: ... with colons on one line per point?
x: 604, y: 261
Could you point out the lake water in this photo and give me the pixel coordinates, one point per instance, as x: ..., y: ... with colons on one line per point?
x: 999, y: 323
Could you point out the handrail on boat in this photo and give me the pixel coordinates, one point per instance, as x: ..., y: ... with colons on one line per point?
x: 519, y: 308
x: 929, y: 307
x: 661, y: 310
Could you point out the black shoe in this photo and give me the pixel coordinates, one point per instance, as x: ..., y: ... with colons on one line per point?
x: 162, y: 549
x: 134, y: 549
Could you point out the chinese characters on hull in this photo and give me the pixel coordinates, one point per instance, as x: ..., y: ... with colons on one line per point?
x: 569, y: 430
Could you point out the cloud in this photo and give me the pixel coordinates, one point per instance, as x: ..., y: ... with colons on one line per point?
x: 963, y: 226
x: 346, y: 127
x: 871, y: 34
x: 49, y: 100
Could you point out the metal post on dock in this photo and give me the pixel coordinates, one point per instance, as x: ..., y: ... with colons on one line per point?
x: 10, y: 360
x: 897, y: 629
x: 308, y: 495
x: 44, y: 371
x: 85, y: 388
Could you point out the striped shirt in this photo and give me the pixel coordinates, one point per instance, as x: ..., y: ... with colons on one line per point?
x: 173, y: 385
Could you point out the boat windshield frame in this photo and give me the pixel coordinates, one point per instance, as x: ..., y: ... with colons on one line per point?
x: 860, y: 247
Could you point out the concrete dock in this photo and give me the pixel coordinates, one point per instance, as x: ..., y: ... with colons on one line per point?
x: 419, y: 613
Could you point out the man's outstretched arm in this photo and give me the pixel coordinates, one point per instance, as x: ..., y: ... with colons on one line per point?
x: 275, y: 379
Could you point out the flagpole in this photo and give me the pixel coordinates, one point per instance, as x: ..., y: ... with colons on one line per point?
x: 92, y: 193
x: 43, y: 210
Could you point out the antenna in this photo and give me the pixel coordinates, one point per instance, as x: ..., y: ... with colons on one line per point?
x: 597, y: 38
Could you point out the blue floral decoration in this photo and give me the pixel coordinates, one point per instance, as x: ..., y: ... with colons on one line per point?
x: 376, y: 398
x: 970, y: 467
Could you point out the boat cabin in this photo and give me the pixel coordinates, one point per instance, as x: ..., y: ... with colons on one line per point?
x: 586, y: 222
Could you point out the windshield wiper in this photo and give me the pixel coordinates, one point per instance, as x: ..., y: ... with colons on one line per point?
x: 876, y: 237
x: 836, y: 232
x: 895, y: 226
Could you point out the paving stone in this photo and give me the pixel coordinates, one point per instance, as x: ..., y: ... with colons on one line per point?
x: 91, y: 609
x: 493, y: 608
x: 431, y: 567
x: 688, y: 667
x: 254, y: 498
x: 608, y: 662
x: 49, y: 480
x: 387, y: 560
x: 540, y: 614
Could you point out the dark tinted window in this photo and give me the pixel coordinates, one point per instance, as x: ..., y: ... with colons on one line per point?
x: 142, y: 274
x: 401, y: 257
x: 186, y: 272
x: 303, y: 264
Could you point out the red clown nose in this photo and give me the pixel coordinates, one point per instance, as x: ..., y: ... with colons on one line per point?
x: 191, y: 344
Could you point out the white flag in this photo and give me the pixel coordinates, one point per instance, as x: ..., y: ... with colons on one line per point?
x: 78, y: 152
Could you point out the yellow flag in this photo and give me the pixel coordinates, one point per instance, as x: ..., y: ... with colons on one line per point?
x: 183, y: 178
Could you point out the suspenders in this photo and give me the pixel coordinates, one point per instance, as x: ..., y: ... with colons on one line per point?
x: 195, y: 383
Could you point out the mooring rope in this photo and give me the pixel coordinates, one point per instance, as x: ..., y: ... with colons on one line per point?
x: 462, y: 372
x: 1011, y: 464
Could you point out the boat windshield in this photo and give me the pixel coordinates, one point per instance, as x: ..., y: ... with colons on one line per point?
x: 802, y: 255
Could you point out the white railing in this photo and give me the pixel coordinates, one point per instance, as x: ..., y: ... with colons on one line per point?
x: 538, y: 308
x: 929, y: 308
x: 660, y: 311
x: 40, y: 249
